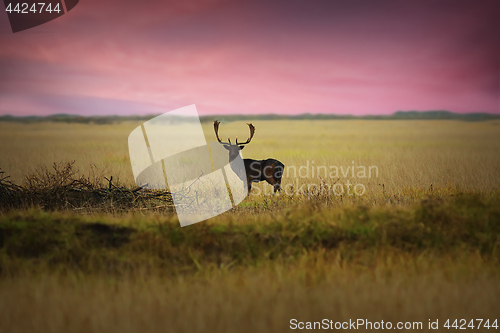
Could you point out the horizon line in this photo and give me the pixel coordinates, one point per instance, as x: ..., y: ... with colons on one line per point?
x: 259, y: 114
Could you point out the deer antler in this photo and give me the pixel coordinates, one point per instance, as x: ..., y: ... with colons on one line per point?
x: 216, y: 128
x: 252, y: 131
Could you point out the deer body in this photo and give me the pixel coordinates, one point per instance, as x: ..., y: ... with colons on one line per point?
x: 270, y: 170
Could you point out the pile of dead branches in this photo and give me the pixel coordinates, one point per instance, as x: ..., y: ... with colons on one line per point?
x: 62, y: 187
x: 10, y: 193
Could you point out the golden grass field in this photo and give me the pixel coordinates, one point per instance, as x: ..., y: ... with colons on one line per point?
x: 407, y: 153
x: 422, y: 243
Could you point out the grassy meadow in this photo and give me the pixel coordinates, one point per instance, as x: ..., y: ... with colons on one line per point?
x: 421, y: 242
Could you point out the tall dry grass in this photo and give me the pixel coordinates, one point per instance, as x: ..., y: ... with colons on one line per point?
x: 407, y: 153
x: 422, y: 242
x: 264, y: 299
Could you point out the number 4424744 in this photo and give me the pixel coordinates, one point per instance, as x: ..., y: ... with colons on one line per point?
x: 462, y: 324
x: 22, y: 8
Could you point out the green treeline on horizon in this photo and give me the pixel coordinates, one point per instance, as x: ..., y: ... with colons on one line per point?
x: 399, y: 115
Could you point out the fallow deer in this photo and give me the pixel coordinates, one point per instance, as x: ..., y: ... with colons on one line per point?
x: 270, y: 170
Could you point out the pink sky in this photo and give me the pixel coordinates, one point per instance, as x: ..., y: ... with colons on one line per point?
x: 287, y: 57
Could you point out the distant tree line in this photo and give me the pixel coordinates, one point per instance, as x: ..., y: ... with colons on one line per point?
x: 399, y: 115
x: 68, y: 118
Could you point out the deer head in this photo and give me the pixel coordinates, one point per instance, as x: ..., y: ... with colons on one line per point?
x: 234, y: 149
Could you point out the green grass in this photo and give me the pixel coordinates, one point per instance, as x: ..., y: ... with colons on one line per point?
x: 467, y: 223
x: 435, y: 260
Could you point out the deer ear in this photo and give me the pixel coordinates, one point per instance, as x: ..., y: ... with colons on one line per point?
x: 226, y: 146
x: 241, y: 147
